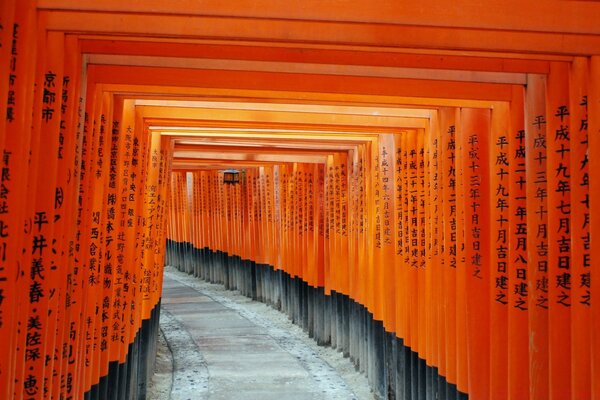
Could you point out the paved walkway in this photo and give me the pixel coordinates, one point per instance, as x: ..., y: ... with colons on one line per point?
x: 243, y: 351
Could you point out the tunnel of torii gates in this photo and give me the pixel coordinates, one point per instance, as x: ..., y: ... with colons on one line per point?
x: 416, y: 186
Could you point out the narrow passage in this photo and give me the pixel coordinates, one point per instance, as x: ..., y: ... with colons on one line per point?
x: 246, y: 350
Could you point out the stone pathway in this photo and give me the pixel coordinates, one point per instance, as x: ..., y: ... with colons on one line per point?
x: 226, y: 346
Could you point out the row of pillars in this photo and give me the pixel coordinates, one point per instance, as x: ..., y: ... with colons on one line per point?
x: 470, y: 242
x: 394, y: 371
x: 82, y: 215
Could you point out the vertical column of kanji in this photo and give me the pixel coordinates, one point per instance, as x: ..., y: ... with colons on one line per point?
x: 7, y: 16
x: 427, y: 205
x: 307, y: 232
x: 268, y: 216
x: 147, y: 162
x: 208, y: 216
x: 199, y: 196
x: 183, y: 217
x: 139, y: 161
x: 105, y: 256
x: 580, y: 232
x: 351, y: 226
x: 387, y: 266
x: 297, y: 194
x: 500, y: 211
x: 200, y: 204
x: 430, y: 250
x: 241, y: 209
x: 311, y: 228
x: 126, y: 198
x: 253, y: 205
x: 236, y: 220
x: 212, y: 212
x: 224, y: 228
x: 178, y: 181
x: 475, y: 156
x: 249, y: 224
x: 226, y: 239
x: 330, y: 228
x: 256, y: 200
x: 462, y: 375
x: 103, y: 284
x: 175, y: 179
x: 282, y: 176
x: 344, y: 217
x: 360, y: 226
x: 320, y: 223
x: 412, y: 193
x: 40, y: 263
x: 202, y: 192
x: 131, y: 210
x: 69, y: 175
x: 199, y: 200
x: 447, y: 127
x: 399, y: 265
x: 14, y: 289
x: 150, y: 216
x: 308, y: 220
x: 377, y: 282
x: 253, y: 213
x: 89, y: 245
x: 518, y: 300
x: 559, y: 230
x: 537, y: 234
x: 265, y: 217
x: 406, y: 258
x: 185, y: 211
x: 160, y: 240
x: 594, y: 157
x: 302, y: 217
x: 336, y: 228
x: 368, y: 225
x: 329, y: 210
x: 436, y: 288
x: 113, y: 266
x: 277, y: 216
x: 421, y: 255
x: 240, y: 217
x: 232, y: 231
x: 190, y: 201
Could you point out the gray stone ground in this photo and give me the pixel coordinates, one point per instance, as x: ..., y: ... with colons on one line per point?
x: 221, y: 345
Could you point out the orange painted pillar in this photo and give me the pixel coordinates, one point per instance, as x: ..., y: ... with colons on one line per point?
x: 594, y: 155
x: 447, y: 126
x: 581, y: 264
x: 518, y: 268
x: 500, y: 255
x: 559, y: 230
x: 537, y: 234
x: 474, y: 162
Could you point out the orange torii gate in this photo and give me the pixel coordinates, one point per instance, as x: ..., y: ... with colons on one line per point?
x: 458, y: 242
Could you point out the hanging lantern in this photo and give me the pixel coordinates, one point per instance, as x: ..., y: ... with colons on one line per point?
x: 231, y: 176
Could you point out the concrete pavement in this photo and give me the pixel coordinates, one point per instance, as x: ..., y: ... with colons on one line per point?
x: 245, y: 350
